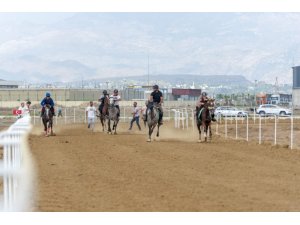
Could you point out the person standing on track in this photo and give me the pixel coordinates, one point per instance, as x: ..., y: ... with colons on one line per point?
x: 136, y: 116
x: 91, y: 115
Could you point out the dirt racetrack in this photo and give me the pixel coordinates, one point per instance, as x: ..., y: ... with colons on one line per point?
x: 82, y: 171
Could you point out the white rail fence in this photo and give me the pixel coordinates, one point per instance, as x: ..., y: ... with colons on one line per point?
x: 16, y: 173
x: 272, y: 129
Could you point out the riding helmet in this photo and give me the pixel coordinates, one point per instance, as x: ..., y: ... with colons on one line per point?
x: 116, y: 91
x: 105, y: 92
x: 204, y: 94
x: 155, y: 86
x: 47, y: 94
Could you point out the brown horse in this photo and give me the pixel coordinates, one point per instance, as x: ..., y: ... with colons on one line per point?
x: 104, y: 113
x: 204, y: 120
x: 47, y: 119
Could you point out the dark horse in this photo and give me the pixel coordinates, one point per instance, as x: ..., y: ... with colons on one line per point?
x: 203, y: 118
x: 152, y: 120
x: 112, y: 116
x: 104, y: 114
x: 47, y: 119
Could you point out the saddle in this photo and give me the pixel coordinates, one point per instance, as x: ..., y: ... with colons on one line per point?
x: 208, y: 119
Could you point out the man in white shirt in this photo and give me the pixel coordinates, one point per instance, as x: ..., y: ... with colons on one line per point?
x: 23, y: 110
x: 116, y: 97
x: 91, y: 115
x: 136, y: 116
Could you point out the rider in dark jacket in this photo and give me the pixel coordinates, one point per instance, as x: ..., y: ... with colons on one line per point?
x: 201, y: 101
x: 47, y: 101
x: 156, y: 97
x: 101, y: 100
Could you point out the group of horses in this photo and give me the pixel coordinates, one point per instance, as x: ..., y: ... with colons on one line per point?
x: 110, y: 114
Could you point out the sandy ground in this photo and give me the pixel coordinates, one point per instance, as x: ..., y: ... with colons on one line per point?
x: 79, y: 170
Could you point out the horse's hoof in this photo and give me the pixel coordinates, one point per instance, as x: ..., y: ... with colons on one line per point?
x: 149, y: 140
x: 199, y: 141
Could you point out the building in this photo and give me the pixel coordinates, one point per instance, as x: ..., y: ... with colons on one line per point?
x: 185, y: 94
x: 8, y: 84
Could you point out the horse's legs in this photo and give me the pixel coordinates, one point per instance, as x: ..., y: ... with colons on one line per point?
x: 150, y: 132
x: 205, y: 132
x: 45, y: 127
x: 199, y: 131
x: 109, y: 129
x: 102, y: 123
x: 157, y: 134
x: 115, y: 126
x: 51, y: 127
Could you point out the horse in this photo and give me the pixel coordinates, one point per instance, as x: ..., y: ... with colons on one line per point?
x: 152, y: 120
x: 104, y: 114
x: 204, y: 120
x: 112, y: 116
x: 47, y: 119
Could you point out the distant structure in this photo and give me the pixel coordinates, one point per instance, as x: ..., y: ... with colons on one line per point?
x: 185, y: 94
x: 296, y: 87
x: 8, y: 84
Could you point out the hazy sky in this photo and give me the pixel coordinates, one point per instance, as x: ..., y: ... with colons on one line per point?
x: 71, y: 46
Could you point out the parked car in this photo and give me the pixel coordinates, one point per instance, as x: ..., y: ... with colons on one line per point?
x: 270, y: 109
x: 229, y: 111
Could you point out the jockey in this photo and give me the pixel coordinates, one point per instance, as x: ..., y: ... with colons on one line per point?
x: 116, y: 97
x: 101, y: 100
x: 156, y: 97
x: 47, y: 101
x: 201, y: 101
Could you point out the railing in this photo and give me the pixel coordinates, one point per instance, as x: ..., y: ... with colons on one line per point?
x: 16, y: 167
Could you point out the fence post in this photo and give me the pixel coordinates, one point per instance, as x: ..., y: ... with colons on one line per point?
x: 74, y: 116
x: 124, y: 114
x: 193, y: 119
x: 247, y: 129
x: 217, y: 125
x: 275, y: 130
x: 259, y: 132
x: 292, y: 131
x: 225, y: 126
x: 65, y: 115
x: 236, y: 127
x: 34, y: 116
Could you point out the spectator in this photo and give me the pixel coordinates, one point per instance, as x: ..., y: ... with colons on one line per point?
x: 91, y: 114
x: 59, y: 110
x: 136, y: 116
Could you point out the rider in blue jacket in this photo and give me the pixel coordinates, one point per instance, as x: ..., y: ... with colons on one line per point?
x: 47, y: 101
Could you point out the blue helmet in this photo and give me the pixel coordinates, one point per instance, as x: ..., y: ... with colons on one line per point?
x: 47, y: 94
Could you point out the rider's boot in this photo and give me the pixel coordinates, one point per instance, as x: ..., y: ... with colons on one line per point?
x: 160, y: 120
x: 213, y: 117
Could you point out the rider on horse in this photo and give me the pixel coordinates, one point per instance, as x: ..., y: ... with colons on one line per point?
x: 116, y: 97
x: 156, y: 97
x: 47, y: 101
x: 102, y: 101
x: 200, y: 104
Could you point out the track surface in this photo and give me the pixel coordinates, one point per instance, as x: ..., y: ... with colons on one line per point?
x: 83, y: 171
